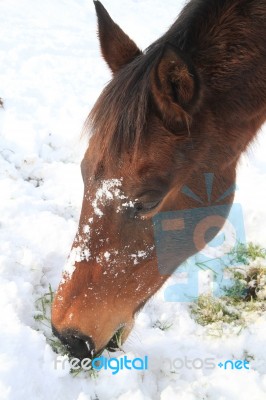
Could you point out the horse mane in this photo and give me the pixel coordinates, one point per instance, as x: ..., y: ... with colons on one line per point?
x: 119, y: 117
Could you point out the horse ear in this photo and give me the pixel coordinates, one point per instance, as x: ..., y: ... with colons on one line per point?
x: 117, y: 48
x: 174, y: 87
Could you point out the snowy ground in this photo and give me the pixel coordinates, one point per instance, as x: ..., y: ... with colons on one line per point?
x: 50, y: 75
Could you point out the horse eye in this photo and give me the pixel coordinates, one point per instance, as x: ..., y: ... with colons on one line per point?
x: 146, y: 207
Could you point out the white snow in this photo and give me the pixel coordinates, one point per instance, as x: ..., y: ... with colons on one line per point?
x: 108, y: 190
x: 107, y: 255
x: 76, y: 255
x: 51, y: 73
x: 141, y: 255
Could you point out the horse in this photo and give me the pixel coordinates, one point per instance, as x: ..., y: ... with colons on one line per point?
x: 187, y: 106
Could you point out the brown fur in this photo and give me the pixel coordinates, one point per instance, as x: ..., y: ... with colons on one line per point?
x: 189, y: 105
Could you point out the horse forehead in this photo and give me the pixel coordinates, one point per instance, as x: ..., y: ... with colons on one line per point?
x: 129, y: 167
x: 125, y: 176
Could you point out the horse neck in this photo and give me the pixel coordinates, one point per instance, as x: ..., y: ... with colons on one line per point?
x: 225, y: 41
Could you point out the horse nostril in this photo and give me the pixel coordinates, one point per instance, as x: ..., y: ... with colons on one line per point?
x: 79, y: 345
x: 79, y: 340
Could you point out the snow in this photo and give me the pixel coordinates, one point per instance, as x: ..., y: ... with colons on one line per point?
x: 108, y: 190
x: 77, y: 254
x: 51, y: 73
x: 141, y: 255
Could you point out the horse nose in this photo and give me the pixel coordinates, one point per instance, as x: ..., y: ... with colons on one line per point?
x: 79, y: 345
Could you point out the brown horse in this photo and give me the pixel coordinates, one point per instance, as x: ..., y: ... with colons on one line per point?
x: 188, y: 105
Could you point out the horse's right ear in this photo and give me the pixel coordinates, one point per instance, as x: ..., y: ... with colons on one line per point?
x: 117, y: 48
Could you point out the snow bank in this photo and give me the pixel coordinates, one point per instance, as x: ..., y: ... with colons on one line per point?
x: 51, y: 73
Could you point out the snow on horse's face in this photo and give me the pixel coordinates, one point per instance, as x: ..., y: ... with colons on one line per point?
x: 167, y: 117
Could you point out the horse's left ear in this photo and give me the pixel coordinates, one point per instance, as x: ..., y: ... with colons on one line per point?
x: 117, y: 48
x: 175, y: 87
